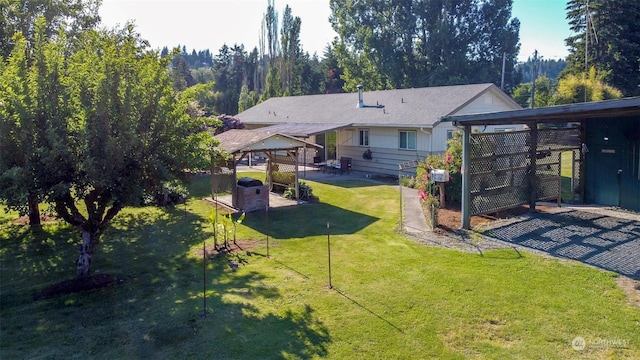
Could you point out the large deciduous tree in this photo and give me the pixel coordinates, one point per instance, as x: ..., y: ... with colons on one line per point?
x: 19, y: 132
x: 109, y: 128
x: 19, y: 27
x: 400, y: 43
x: 20, y: 16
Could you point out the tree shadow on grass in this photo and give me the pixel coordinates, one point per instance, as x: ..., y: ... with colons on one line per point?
x: 157, y: 311
x: 303, y: 221
x: 350, y: 183
x: 238, y: 329
x: 33, y: 257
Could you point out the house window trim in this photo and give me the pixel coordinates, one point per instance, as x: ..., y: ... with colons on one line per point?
x: 360, y: 138
x: 408, y: 148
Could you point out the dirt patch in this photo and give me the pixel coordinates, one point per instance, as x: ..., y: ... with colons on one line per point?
x: 77, y: 285
x: 450, y: 217
x: 24, y: 220
x: 240, y: 246
x: 631, y: 288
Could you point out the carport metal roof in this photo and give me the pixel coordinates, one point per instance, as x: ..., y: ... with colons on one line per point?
x: 559, y: 113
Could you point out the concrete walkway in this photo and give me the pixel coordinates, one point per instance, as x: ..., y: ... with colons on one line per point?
x: 414, y: 220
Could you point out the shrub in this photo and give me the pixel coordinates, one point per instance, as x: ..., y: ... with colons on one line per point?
x: 409, y: 182
x: 430, y: 206
x: 172, y: 193
x: 305, y: 192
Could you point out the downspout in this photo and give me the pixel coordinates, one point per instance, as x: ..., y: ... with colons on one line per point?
x: 430, y: 139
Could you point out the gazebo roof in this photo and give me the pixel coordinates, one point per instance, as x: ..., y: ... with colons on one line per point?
x: 237, y: 141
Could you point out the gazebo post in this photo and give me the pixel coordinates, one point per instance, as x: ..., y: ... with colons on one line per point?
x: 297, y: 184
x: 234, y: 183
x: 294, y: 154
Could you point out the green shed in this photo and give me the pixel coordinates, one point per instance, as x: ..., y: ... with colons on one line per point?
x: 613, y: 162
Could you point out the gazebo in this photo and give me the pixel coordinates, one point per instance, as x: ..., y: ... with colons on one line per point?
x: 282, y: 152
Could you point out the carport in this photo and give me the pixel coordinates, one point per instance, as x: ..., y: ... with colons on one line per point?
x: 506, y: 170
x: 281, y: 150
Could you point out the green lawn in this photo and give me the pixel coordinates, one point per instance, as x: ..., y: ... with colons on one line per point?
x: 392, y: 298
x: 565, y: 171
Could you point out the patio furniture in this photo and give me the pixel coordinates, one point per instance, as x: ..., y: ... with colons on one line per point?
x: 345, y: 165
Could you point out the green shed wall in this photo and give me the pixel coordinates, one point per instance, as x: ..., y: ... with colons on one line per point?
x: 613, y: 162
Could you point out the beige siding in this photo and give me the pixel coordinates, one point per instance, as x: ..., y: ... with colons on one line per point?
x: 384, y: 145
x: 440, y: 136
x: 487, y: 102
x: 385, y: 138
x: 384, y: 161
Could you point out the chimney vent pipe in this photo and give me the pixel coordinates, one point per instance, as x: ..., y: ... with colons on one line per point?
x: 360, y: 99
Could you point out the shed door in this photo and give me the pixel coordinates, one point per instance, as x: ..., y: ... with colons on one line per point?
x: 609, y: 175
x: 630, y: 179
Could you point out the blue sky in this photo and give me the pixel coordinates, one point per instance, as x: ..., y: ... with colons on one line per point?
x: 208, y: 24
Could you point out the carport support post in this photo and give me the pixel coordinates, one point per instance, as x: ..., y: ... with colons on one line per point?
x: 466, y: 159
x: 533, y: 151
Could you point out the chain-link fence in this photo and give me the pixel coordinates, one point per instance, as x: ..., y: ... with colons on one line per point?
x: 500, y: 166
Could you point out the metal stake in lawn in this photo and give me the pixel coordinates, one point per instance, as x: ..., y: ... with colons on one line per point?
x: 204, y: 277
x: 266, y: 221
x: 329, y: 253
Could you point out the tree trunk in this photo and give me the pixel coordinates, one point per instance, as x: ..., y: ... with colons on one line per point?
x: 34, y: 210
x: 89, y: 242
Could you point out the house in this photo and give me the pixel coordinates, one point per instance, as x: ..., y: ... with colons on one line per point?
x: 393, y: 126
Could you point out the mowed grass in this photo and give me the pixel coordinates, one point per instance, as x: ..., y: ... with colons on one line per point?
x: 566, y: 171
x: 391, y: 299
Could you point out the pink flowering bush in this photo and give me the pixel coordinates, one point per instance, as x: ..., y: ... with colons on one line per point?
x: 451, y: 161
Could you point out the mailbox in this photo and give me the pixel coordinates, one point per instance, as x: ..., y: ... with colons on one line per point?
x: 438, y: 175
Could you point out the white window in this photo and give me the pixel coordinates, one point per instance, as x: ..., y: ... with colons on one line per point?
x: 408, y: 140
x: 364, y: 137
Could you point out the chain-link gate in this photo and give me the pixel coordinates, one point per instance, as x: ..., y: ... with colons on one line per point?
x: 500, y: 164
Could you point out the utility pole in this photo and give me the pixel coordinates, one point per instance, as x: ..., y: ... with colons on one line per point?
x: 586, y: 49
x: 534, y: 75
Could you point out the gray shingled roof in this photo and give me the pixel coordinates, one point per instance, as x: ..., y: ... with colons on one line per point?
x: 409, y: 107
